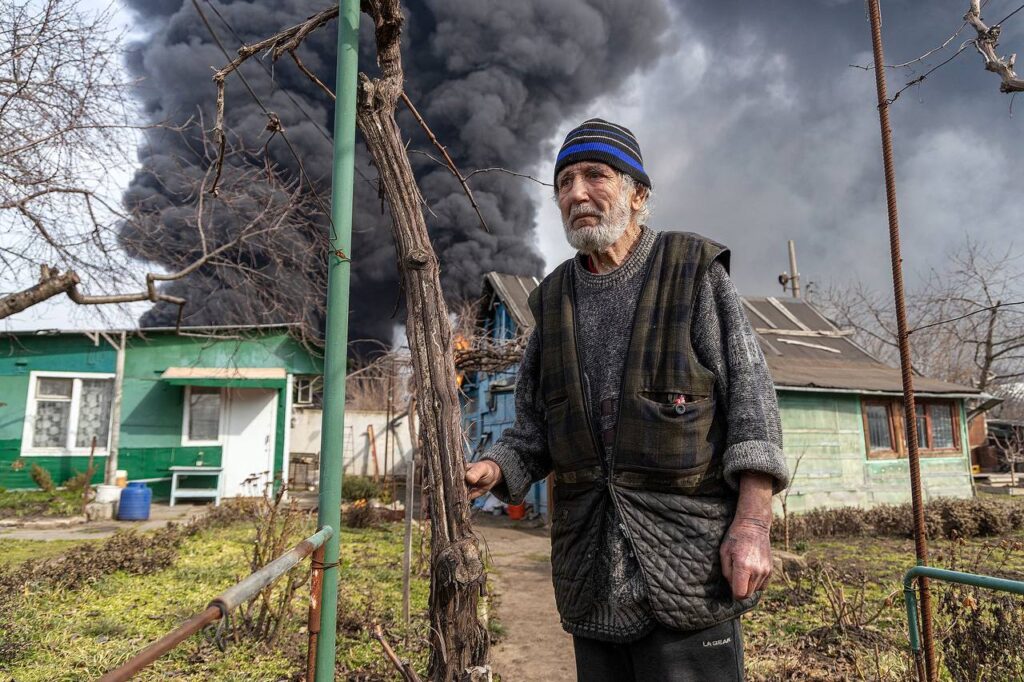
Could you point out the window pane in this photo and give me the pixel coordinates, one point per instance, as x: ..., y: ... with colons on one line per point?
x: 204, y: 413
x: 94, y: 412
x: 878, y: 427
x: 50, y: 429
x: 942, y: 426
x: 922, y: 427
x: 50, y: 387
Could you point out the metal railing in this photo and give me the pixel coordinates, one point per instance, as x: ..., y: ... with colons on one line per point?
x: 236, y: 595
x: 972, y: 579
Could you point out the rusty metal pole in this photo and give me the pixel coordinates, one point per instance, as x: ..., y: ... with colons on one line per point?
x: 910, y: 410
x: 163, y: 645
x: 316, y: 584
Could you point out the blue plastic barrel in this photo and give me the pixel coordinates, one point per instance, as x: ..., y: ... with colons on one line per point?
x: 135, y: 500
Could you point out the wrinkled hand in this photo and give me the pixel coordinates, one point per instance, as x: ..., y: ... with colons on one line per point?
x: 481, y: 477
x: 746, y: 556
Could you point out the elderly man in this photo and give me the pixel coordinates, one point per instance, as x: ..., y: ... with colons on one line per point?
x: 645, y: 391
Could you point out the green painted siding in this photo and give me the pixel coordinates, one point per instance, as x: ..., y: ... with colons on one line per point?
x: 825, y: 433
x: 151, y: 409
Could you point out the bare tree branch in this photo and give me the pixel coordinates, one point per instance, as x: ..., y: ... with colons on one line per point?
x: 986, y: 42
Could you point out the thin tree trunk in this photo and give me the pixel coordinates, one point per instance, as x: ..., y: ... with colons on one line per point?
x: 459, y: 642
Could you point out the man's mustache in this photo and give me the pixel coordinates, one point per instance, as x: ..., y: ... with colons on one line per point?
x: 584, y: 210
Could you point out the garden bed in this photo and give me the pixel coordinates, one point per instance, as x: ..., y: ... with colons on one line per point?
x: 95, y: 620
x: 25, y: 505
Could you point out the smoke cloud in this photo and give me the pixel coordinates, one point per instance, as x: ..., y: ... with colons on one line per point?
x: 494, y: 79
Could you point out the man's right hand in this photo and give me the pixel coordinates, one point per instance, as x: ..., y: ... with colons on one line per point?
x: 481, y: 477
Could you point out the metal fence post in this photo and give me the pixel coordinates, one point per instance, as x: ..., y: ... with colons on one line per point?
x: 914, y: 462
x: 335, y: 361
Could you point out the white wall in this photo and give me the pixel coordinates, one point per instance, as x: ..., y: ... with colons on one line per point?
x: 305, y: 440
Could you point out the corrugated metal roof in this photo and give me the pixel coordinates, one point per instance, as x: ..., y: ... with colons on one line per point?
x: 514, y: 291
x: 805, y: 350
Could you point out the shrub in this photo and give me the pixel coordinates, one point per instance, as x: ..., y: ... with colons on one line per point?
x: 984, y: 637
x: 41, y: 477
x: 359, y: 488
x: 944, y: 518
x: 360, y: 515
x: 76, y: 484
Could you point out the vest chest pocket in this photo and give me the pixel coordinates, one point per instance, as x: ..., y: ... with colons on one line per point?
x: 673, y: 431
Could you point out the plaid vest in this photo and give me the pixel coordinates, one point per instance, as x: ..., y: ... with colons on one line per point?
x: 665, y: 477
x: 667, y: 436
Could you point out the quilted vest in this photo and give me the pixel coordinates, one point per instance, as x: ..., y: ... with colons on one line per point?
x: 665, y: 478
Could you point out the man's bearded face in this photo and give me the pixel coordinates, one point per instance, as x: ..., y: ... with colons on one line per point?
x: 595, y: 205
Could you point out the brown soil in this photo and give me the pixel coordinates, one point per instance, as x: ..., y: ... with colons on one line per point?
x: 532, y: 647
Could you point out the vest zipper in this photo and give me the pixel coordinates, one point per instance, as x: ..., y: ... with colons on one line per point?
x: 610, y: 467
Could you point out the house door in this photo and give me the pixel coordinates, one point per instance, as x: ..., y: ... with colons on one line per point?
x: 250, y: 427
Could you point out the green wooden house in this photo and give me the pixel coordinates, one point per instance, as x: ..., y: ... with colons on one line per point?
x: 841, y: 409
x: 214, y: 396
x: 842, y: 415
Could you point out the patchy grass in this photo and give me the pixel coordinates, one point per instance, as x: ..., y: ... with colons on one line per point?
x: 796, y: 633
x: 14, y: 552
x: 73, y: 634
x: 26, y: 503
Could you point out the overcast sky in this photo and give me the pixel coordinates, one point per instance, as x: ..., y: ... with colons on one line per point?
x: 755, y: 130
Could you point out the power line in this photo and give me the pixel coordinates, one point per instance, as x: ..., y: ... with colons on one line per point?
x: 965, y: 316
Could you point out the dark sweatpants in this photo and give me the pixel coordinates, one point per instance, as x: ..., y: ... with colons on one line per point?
x: 711, y: 655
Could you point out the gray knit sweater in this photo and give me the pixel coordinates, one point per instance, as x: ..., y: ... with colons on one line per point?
x: 723, y: 342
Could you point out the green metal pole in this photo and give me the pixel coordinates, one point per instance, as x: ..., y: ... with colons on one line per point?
x: 333, y: 428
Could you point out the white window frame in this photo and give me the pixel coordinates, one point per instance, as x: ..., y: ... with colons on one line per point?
x: 304, y: 384
x: 185, y: 440
x: 27, y: 449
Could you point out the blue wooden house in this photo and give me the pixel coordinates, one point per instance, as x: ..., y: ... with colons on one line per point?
x: 488, y: 402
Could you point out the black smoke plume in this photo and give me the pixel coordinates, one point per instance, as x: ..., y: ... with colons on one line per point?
x: 496, y: 80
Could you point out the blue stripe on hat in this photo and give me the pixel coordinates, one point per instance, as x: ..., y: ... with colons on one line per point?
x: 631, y: 142
x: 600, y: 147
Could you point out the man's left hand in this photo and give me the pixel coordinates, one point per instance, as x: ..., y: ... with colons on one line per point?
x: 746, y: 551
x: 746, y: 556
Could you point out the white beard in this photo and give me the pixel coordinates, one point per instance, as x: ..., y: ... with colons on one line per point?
x: 609, y: 228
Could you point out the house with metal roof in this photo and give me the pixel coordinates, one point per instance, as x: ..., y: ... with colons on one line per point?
x: 841, y: 408
x: 155, y: 401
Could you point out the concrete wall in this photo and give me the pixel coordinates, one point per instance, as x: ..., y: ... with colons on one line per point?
x: 358, y: 454
x: 823, y: 435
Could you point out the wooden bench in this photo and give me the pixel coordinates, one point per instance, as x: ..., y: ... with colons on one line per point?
x: 178, y: 472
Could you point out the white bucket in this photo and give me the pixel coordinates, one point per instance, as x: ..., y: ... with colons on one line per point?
x: 106, y: 494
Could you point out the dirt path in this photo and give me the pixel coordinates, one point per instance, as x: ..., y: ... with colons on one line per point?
x: 533, y: 648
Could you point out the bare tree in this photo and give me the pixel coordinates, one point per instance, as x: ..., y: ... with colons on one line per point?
x: 255, y: 202
x: 63, y: 124
x: 966, y: 319
x: 1010, y: 448
x: 66, y: 120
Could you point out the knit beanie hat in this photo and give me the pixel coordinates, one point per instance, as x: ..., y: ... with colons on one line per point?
x: 598, y: 140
